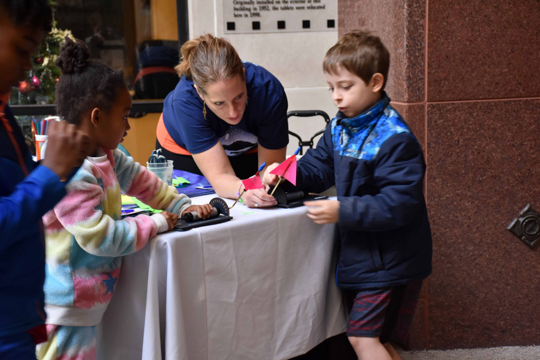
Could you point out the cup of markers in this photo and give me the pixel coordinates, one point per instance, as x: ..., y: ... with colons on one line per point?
x: 160, y: 166
x: 40, y: 142
x: 39, y: 130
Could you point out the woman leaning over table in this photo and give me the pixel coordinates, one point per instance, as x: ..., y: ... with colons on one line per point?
x: 224, y: 119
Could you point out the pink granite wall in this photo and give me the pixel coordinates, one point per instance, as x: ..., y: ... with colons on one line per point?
x: 464, y: 74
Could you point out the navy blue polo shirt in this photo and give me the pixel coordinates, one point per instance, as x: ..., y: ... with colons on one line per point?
x: 264, y: 121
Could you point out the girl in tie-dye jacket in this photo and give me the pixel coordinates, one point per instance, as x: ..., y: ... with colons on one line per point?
x: 85, y: 235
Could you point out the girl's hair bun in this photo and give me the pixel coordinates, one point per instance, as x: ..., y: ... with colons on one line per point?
x: 73, y: 58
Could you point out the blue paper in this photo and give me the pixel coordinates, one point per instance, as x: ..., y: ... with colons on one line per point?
x: 194, y: 181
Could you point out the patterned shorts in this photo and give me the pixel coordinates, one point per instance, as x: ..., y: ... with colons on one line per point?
x: 69, y: 343
x: 383, y: 313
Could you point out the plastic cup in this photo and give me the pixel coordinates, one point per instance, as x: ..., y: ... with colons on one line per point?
x: 40, y: 141
x: 164, y: 171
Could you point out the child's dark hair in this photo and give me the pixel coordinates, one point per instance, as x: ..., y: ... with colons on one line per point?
x: 84, y: 84
x: 36, y: 14
x: 361, y: 53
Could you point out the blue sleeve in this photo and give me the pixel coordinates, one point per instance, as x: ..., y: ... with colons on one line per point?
x: 38, y: 193
x: 274, y: 127
x: 197, y: 133
x: 316, y: 168
x: 399, y: 177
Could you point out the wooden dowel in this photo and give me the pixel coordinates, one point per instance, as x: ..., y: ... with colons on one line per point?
x: 242, y: 193
x: 275, y: 187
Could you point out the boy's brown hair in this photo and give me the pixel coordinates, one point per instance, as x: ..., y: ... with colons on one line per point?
x: 360, y: 53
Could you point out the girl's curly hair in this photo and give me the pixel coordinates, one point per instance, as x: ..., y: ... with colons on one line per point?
x: 85, y: 83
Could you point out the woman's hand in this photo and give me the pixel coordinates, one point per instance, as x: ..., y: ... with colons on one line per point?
x: 203, y: 210
x: 270, y: 179
x: 258, y: 198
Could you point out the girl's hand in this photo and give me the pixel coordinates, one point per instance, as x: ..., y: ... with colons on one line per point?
x: 270, y: 179
x: 203, y: 210
x: 171, y: 218
x: 323, y: 211
x: 258, y: 198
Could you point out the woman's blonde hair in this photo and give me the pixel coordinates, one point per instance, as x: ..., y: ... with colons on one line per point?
x: 208, y: 59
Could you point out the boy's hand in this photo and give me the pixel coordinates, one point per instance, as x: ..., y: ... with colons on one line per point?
x: 323, y: 211
x: 171, y: 218
x: 270, y: 179
x: 67, y: 147
x: 258, y: 198
x: 203, y: 210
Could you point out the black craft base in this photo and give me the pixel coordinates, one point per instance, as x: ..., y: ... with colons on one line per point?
x: 292, y: 199
x: 183, y: 225
x: 300, y: 202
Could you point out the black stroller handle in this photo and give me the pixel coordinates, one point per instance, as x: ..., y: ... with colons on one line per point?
x: 308, y: 113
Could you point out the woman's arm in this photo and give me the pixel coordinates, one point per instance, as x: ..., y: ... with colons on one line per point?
x: 270, y: 156
x: 217, y: 169
x: 215, y: 166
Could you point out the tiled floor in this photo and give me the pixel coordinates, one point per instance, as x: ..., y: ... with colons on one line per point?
x: 338, y: 348
x: 500, y: 353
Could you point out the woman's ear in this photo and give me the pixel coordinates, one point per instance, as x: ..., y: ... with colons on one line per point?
x: 95, y: 117
x: 377, y: 82
x: 198, y: 92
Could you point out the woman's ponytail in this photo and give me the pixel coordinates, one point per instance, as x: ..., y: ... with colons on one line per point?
x: 208, y: 59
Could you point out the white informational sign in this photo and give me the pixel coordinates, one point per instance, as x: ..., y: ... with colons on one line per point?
x: 264, y: 16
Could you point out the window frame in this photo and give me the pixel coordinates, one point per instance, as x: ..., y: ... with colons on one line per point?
x: 146, y: 106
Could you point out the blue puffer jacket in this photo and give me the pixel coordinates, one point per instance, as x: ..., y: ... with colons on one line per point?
x: 378, y: 168
x: 23, y: 201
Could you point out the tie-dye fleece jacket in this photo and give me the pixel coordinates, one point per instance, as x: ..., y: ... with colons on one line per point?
x: 86, y: 237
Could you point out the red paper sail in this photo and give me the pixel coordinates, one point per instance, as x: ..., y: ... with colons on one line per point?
x: 253, y: 182
x: 287, y: 169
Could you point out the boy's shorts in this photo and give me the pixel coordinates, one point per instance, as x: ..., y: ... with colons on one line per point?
x: 383, y: 313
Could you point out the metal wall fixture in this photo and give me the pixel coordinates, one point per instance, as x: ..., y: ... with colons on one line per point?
x: 526, y: 227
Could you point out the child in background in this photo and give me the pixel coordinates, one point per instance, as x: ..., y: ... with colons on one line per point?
x: 369, y: 153
x: 85, y: 235
x: 27, y: 189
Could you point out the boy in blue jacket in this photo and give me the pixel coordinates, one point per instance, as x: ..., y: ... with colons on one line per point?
x: 369, y: 153
x: 27, y: 190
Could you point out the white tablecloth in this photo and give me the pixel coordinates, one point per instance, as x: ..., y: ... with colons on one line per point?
x: 260, y: 286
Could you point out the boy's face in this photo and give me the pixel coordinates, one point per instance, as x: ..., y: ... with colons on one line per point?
x: 351, y: 94
x: 17, y: 44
